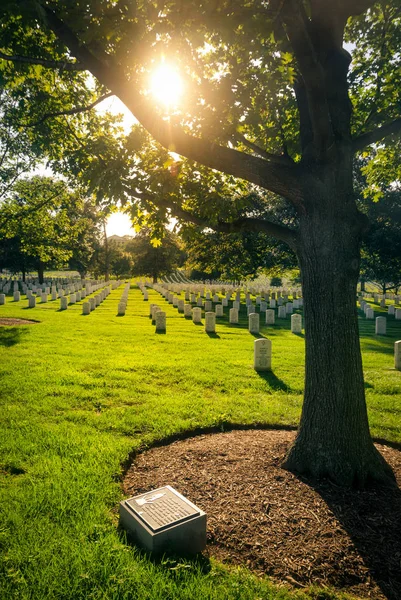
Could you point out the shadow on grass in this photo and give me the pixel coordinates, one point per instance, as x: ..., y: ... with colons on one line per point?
x: 10, y: 336
x: 300, y: 335
x: 382, y: 348
x: 160, y: 331
x: 258, y: 336
x: 168, y: 559
x: 371, y: 517
x: 213, y: 335
x: 275, y: 383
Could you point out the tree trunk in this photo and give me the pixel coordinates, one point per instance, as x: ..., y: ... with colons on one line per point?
x: 41, y: 273
x: 107, y: 255
x: 333, y: 438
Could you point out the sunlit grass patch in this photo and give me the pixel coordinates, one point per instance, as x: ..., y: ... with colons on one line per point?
x: 79, y: 393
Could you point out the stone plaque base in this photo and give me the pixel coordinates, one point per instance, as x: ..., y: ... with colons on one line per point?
x: 163, y: 520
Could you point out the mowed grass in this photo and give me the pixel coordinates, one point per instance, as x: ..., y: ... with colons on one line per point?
x: 80, y: 393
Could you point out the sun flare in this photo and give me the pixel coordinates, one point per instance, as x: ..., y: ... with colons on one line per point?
x: 166, y: 85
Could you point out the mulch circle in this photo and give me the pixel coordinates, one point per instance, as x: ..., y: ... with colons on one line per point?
x: 12, y: 321
x: 274, y: 522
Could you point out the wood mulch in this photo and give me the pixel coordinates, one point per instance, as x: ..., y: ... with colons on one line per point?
x: 12, y: 321
x: 275, y: 523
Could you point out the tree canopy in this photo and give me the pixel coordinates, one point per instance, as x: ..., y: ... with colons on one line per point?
x: 45, y: 224
x: 273, y: 99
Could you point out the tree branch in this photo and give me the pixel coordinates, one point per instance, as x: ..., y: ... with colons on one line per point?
x: 243, y: 224
x: 371, y: 137
x: 50, y: 64
x: 284, y: 159
x: 282, y: 180
x: 295, y: 23
x: 71, y: 111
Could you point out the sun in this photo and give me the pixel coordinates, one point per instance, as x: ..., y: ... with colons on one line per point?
x: 166, y: 85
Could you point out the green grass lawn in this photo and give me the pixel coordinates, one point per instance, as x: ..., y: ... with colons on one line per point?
x: 79, y: 393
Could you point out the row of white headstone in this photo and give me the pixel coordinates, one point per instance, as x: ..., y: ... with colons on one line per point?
x: 369, y: 312
x: 95, y: 301
x: 210, y: 316
x: 122, y: 305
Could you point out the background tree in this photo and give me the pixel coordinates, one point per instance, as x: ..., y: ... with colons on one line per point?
x: 40, y: 218
x: 271, y: 100
x: 381, y: 250
x: 236, y: 256
x: 155, y: 258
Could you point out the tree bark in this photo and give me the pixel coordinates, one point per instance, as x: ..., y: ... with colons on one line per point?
x: 333, y: 438
x: 41, y: 272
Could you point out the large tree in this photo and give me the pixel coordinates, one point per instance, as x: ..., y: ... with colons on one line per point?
x: 271, y: 100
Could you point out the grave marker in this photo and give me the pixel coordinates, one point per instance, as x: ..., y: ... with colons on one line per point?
x: 253, y: 324
x: 160, y: 321
x: 262, y: 355
x: 210, y: 322
x: 397, y: 355
x: 197, y: 315
x: 381, y: 326
x: 233, y: 315
x: 163, y: 520
x: 296, y: 323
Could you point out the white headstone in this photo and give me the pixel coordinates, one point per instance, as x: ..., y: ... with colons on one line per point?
x: 210, y: 322
x: 262, y: 355
x: 197, y: 315
x: 160, y: 321
x: 187, y: 310
x: 73, y: 299
x: 398, y: 314
x: 288, y: 308
x: 233, y: 315
x: 219, y: 310
x: 16, y: 296
x: 32, y: 301
x: 296, y: 323
x: 281, y: 312
x: 270, y: 316
x: 63, y: 303
x: 381, y: 326
x: 180, y: 306
x: 43, y: 297
x: 397, y: 355
x: 370, y: 313
x: 272, y: 303
x: 254, y: 323
x: 208, y: 305
x: 86, y: 308
x: 391, y: 310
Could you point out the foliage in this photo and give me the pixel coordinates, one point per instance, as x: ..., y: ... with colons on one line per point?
x: 381, y: 252
x: 47, y: 222
x: 273, y: 101
x: 155, y: 260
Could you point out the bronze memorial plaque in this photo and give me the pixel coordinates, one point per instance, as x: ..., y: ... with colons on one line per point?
x: 161, y: 508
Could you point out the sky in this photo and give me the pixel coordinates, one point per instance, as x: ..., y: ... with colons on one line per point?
x: 119, y: 224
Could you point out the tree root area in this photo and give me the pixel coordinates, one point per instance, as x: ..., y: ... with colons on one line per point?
x: 265, y: 518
